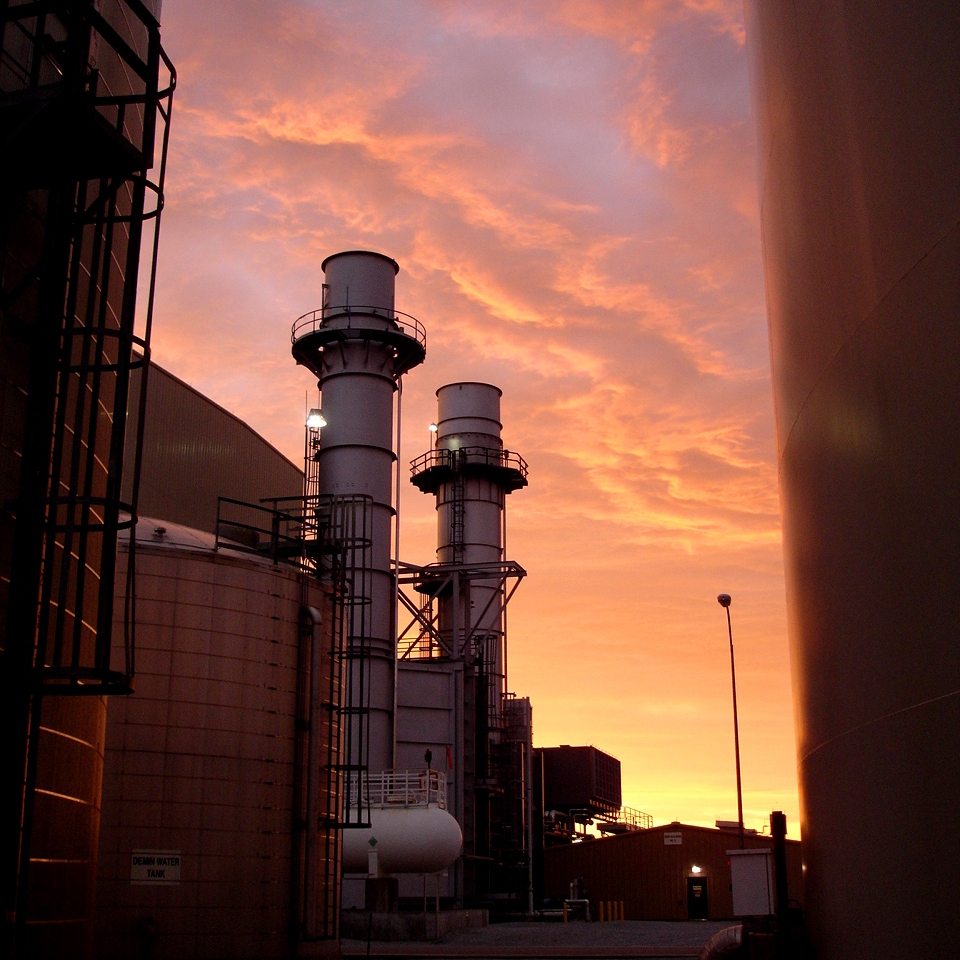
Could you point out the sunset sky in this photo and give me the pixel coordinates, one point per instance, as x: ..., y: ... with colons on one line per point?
x: 569, y: 187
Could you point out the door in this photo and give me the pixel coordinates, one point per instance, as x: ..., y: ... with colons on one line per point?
x: 697, y: 908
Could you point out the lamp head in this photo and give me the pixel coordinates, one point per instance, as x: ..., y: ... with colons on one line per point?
x: 315, y: 419
x: 724, y: 600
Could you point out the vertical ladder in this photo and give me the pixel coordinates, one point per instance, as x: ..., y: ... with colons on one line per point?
x: 459, y: 508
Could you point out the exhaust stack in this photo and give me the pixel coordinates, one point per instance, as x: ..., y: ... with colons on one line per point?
x: 358, y: 346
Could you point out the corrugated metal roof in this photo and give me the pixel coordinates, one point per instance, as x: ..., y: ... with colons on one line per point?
x: 195, y: 451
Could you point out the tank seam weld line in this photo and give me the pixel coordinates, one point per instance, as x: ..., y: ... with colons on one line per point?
x: 870, y: 723
x: 856, y: 331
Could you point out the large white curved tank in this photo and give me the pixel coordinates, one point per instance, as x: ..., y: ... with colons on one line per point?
x: 406, y: 840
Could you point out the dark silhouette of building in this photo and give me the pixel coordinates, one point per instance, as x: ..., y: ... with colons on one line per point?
x: 669, y: 872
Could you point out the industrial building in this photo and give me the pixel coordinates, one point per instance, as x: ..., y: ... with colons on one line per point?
x: 435, y: 700
x: 316, y: 723
x: 858, y: 126
x: 263, y: 747
x: 671, y: 872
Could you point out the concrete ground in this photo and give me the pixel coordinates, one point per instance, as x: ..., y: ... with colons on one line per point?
x: 626, y: 938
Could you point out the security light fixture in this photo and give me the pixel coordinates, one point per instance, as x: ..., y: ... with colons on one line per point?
x: 315, y: 419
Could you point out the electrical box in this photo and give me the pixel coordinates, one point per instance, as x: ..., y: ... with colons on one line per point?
x: 751, y: 874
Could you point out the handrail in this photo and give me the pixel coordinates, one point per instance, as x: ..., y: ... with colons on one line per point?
x: 310, y: 322
x: 636, y: 818
x: 625, y: 817
x: 282, y: 539
x: 469, y: 456
x: 401, y: 789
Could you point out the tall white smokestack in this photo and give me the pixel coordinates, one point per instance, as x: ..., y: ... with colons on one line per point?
x: 358, y: 347
x: 470, y: 505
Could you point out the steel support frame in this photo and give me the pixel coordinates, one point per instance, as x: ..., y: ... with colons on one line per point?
x: 456, y: 578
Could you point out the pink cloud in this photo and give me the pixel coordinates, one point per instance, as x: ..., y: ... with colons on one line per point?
x: 569, y: 189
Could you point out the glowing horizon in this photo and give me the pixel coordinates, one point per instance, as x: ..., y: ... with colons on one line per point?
x: 570, y: 191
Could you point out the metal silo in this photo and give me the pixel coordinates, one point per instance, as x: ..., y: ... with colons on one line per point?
x: 858, y: 119
x: 218, y: 835
x: 85, y: 96
x: 359, y: 346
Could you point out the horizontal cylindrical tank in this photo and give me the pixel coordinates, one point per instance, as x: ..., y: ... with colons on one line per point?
x: 406, y: 840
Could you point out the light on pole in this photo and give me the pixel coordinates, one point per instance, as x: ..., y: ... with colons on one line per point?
x: 724, y: 601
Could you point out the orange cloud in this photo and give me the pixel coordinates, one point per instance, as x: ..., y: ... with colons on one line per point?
x: 569, y: 189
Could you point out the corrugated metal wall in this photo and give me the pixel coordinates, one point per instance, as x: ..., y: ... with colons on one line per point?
x: 195, y: 451
x: 648, y: 870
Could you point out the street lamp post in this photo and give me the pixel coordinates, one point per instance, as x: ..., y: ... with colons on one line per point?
x: 724, y: 601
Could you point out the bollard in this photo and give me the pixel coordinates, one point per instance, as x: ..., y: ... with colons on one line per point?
x: 621, y: 909
x: 600, y: 909
x: 564, y: 911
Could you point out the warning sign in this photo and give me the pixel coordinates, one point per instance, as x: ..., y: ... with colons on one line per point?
x: 673, y: 838
x: 155, y: 866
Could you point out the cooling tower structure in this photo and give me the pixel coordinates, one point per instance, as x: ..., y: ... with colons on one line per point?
x: 358, y: 347
x: 858, y: 119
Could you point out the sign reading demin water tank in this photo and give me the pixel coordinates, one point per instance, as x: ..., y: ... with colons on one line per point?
x: 155, y: 867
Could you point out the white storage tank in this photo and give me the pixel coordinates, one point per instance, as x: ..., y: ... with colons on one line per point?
x: 413, y: 840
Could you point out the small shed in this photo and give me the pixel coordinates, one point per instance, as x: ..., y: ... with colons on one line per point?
x: 671, y: 872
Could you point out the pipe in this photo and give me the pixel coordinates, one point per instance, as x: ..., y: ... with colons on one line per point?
x: 458, y: 760
x: 314, y: 739
x: 528, y: 815
x: 778, y: 827
x: 395, y: 618
x: 725, y: 943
